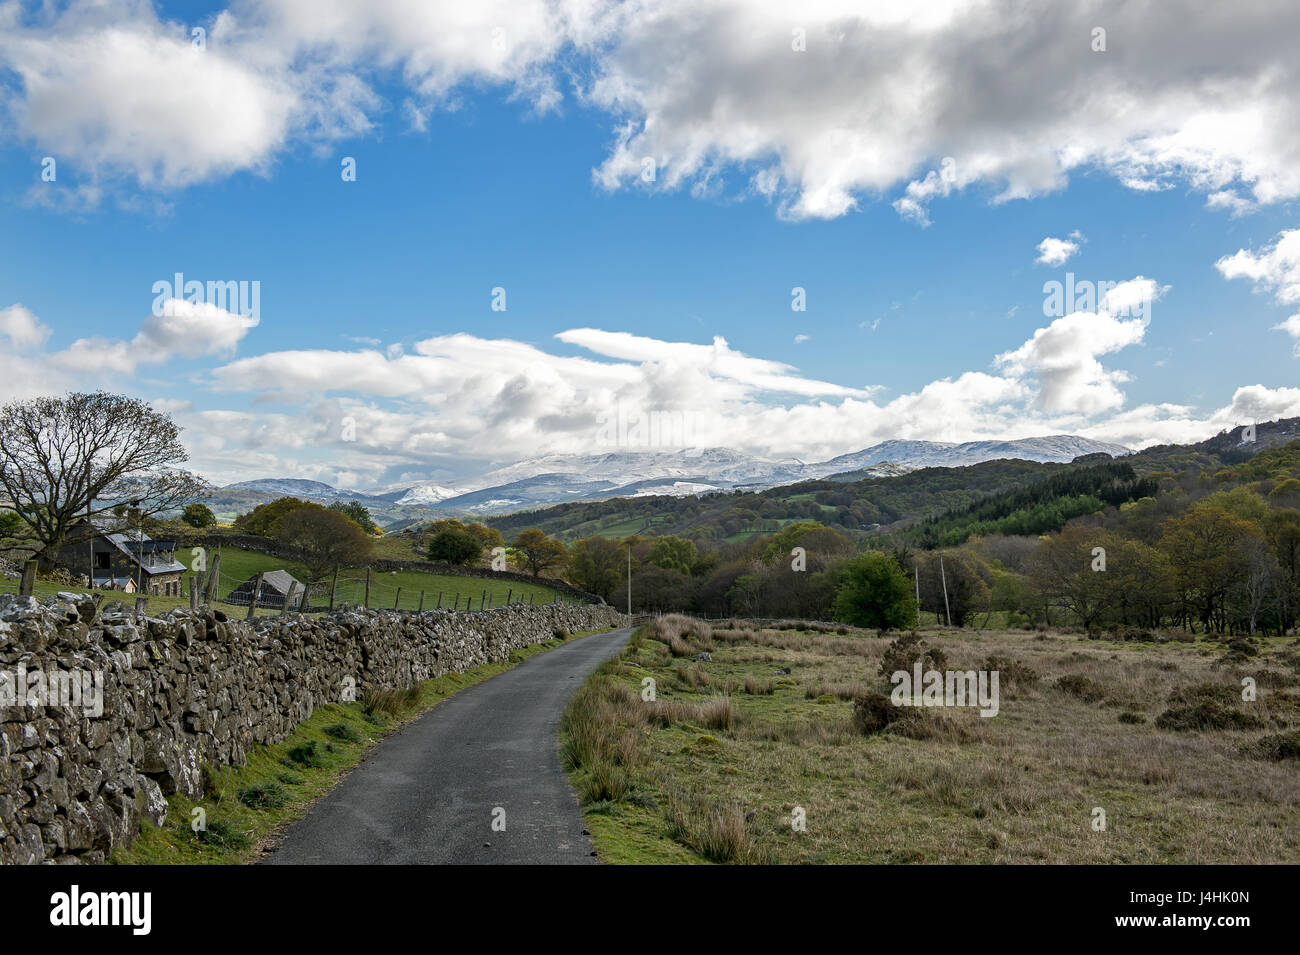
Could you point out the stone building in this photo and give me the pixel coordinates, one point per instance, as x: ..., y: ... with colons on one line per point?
x: 122, y: 559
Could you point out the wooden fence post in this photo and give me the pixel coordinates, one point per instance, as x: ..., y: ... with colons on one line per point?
x: 288, y: 598
x: 398, y: 599
x: 334, y: 587
x: 194, y: 592
x: 366, y: 604
x: 142, y: 605
x: 509, y: 593
x: 456, y: 605
x: 482, y: 602
x: 214, y: 579
x: 439, y: 607
x: 28, y: 582
x: 421, y: 610
x: 254, y: 595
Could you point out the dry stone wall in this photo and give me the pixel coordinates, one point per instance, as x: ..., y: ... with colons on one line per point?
x: 192, y: 687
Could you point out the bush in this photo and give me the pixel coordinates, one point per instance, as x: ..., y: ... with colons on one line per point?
x: 874, y: 713
x: 1130, y: 717
x: 906, y: 650
x: 269, y: 795
x: 1279, y: 747
x: 1205, y: 716
x: 1090, y: 691
x: 1206, y: 693
x: 1012, y: 671
x: 220, y: 834
x: 307, y: 754
x: 344, y: 732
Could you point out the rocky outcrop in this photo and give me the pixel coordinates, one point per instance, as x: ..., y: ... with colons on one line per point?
x: 190, y: 688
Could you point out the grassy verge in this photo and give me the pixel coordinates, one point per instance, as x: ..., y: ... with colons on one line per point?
x: 245, y: 805
x: 735, y: 747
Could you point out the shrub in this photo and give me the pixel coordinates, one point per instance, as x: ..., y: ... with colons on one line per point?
x: 1130, y: 717
x: 344, y: 732
x: 1206, y: 693
x: 1205, y: 716
x: 220, y: 834
x: 1011, y: 671
x: 874, y: 712
x: 905, y: 650
x: 1279, y: 747
x: 269, y: 795
x: 307, y: 754
x: 1088, y: 690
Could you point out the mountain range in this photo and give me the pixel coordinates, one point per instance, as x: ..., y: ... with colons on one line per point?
x: 558, y: 478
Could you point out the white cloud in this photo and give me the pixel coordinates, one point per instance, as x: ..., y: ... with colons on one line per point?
x: 23, y: 329
x: 1274, y: 269
x: 1009, y: 91
x: 1063, y: 358
x: 1001, y: 94
x: 183, y: 330
x: 1056, y: 251
x: 800, y: 338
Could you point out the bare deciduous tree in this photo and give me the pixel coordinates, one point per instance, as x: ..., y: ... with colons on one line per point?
x: 75, y: 456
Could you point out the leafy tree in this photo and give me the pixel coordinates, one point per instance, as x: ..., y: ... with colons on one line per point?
x: 261, y: 520
x: 359, y: 513
x: 455, y: 546
x: 489, y: 536
x: 538, y: 551
x: 327, y: 539
x: 63, y: 459
x: 598, y: 565
x: 673, y: 553
x: 874, y: 592
x: 198, y: 515
x: 1061, y: 570
x: 1204, y: 545
x: 967, y: 589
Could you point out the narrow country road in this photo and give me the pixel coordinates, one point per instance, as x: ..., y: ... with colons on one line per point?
x: 429, y: 794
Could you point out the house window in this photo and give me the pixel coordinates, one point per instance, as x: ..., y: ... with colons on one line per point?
x: 103, y: 560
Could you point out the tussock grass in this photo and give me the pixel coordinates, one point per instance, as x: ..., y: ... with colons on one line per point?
x: 1077, y: 728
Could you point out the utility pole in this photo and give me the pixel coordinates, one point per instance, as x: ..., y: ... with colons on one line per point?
x: 944, y: 577
x: 629, y: 580
x: 916, y: 574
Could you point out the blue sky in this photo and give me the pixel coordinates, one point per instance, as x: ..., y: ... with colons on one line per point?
x: 473, y: 175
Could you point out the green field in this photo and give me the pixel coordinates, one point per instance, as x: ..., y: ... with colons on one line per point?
x: 237, y: 565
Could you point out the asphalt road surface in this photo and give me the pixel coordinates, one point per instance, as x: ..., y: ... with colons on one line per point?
x: 429, y: 794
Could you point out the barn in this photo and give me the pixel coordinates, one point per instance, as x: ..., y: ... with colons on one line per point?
x: 277, y: 586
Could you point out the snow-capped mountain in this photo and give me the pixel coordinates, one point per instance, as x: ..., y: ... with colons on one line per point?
x: 556, y: 478
x: 932, y: 454
x: 296, y: 487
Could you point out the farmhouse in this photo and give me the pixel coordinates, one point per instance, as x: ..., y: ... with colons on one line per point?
x: 124, y: 560
x: 277, y: 587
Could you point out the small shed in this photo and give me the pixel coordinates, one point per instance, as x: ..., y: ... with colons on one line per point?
x: 277, y: 587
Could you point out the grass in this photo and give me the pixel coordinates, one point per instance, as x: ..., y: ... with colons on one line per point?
x: 1078, y: 728
x: 237, y: 565
x: 244, y: 806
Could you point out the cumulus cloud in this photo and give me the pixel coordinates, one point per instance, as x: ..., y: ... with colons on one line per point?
x: 943, y: 96
x: 455, y: 403
x: 22, y: 329
x: 1054, y: 252
x: 1275, y: 269
x: 183, y: 330
x: 817, y: 110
